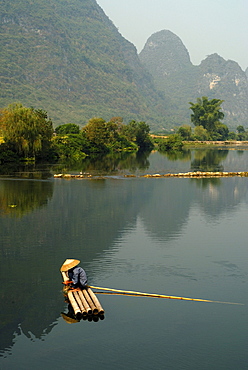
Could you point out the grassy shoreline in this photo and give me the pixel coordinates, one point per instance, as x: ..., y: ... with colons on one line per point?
x: 223, y: 144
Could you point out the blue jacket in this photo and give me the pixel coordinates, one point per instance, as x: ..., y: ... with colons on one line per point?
x: 78, y: 276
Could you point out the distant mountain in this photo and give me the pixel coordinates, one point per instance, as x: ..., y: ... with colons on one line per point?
x: 68, y: 58
x: 225, y: 80
x: 165, y: 54
x: 168, y: 61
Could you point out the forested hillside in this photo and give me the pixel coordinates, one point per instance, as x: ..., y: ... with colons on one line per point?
x: 225, y: 80
x: 167, y: 59
x: 68, y: 58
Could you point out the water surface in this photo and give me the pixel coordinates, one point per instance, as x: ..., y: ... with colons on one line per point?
x: 182, y: 237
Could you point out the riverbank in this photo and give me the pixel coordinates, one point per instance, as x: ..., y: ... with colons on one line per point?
x: 223, y: 144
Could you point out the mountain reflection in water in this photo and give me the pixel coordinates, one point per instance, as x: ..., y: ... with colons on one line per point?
x: 58, y: 219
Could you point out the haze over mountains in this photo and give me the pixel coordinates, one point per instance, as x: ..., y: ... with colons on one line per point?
x: 68, y: 58
x: 168, y: 61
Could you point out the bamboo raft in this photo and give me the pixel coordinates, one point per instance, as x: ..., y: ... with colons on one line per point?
x: 84, y: 302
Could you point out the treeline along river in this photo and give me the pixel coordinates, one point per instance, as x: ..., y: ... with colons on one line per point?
x: 173, y: 236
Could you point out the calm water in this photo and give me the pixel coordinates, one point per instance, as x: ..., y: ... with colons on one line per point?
x: 181, y: 237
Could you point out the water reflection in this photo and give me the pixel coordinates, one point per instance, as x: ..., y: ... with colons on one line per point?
x: 222, y: 196
x: 139, y: 163
x: 110, y: 164
x: 209, y: 160
x: 18, y: 198
x: 82, y: 218
x: 206, y: 182
x: 175, y: 155
x: 26, y: 171
x: 240, y: 152
x: 70, y: 317
x: 86, y: 218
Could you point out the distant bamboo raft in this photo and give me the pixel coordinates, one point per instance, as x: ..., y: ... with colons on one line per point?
x: 196, y: 174
x: 84, y: 302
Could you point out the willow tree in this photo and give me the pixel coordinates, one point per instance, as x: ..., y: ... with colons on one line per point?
x: 27, y: 130
x: 207, y: 113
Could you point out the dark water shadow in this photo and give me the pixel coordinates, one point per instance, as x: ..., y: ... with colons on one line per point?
x: 209, y: 160
x: 18, y: 198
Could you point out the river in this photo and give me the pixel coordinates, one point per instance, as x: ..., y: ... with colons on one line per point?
x: 174, y: 236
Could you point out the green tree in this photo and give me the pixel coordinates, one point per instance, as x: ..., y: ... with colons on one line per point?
x: 27, y: 131
x: 200, y: 133
x: 72, y: 146
x: 138, y: 132
x: 207, y: 113
x: 97, y: 133
x: 68, y: 128
x: 106, y: 136
x: 129, y: 130
x: 143, y: 139
x: 240, y: 129
x: 221, y: 132
x: 232, y: 136
x: 172, y: 142
x: 242, y: 134
x: 185, y: 132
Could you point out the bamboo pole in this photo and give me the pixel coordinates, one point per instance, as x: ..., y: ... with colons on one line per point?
x: 132, y: 293
x: 95, y: 301
x: 91, y: 304
x: 80, y: 303
x: 74, y: 304
x: 85, y: 303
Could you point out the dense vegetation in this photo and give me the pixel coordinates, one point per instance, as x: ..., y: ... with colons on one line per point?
x: 206, y: 116
x: 28, y: 134
x: 99, y: 136
x: 69, y: 58
x: 172, y: 143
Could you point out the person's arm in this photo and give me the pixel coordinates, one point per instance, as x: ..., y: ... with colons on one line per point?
x: 73, y: 276
x: 82, y: 277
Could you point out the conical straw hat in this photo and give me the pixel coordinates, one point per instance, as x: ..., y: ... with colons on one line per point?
x: 69, y: 264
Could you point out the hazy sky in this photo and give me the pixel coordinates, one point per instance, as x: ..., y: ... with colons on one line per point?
x: 204, y: 26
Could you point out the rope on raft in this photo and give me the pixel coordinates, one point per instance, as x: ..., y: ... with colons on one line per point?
x: 133, y: 293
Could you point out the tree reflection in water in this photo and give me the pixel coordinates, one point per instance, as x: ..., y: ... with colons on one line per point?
x: 206, y: 181
x: 209, y: 160
x: 18, y: 198
x: 175, y: 155
x: 110, y: 164
x: 58, y: 215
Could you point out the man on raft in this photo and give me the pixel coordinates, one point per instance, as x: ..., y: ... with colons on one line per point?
x: 76, y: 274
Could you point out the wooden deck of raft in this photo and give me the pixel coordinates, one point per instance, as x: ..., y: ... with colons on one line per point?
x: 84, y: 302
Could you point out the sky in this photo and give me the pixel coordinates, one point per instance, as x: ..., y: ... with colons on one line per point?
x: 204, y: 26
